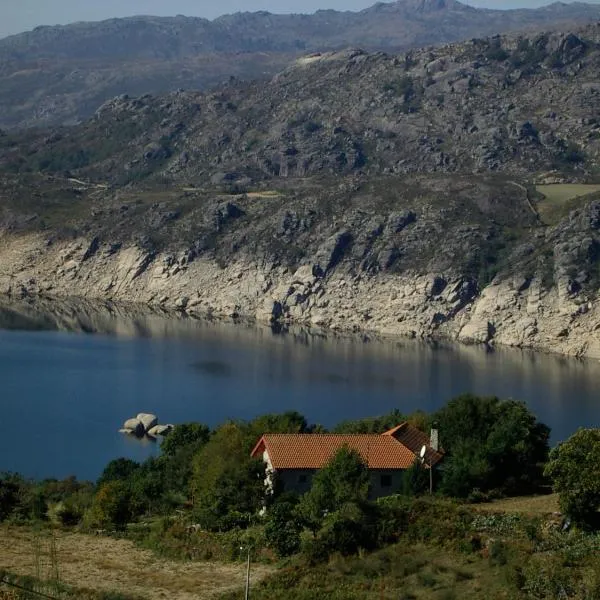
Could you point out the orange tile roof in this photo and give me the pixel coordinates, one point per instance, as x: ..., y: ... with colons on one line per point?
x: 314, y: 450
x: 414, y: 439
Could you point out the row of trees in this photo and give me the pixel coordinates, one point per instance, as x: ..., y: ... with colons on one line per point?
x: 492, y: 448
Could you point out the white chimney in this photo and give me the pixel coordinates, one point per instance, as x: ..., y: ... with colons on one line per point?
x: 434, y: 440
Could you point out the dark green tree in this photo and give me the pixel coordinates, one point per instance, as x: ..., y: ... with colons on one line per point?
x: 112, y: 505
x: 187, y: 437
x: 226, y: 482
x: 415, y: 480
x: 491, y: 444
x: 283, y: 528
x: 573, y: 468
x: 371, y: 424
x: 10, y: 492
x: 344, y: 479
x: 120, y: 469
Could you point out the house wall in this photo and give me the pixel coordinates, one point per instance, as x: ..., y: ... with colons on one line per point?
x: 295, y: 480
x: 378, y: 479
x: 300, y: 481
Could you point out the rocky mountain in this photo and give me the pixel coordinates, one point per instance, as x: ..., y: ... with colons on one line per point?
x: 56, y: 75
x: 394, y: 193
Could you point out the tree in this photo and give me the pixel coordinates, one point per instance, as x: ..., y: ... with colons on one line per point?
x: 344, y: 479
x: 283, y: 528
x: 225, y: 480
x: 10, y: 491
x: 573, y: 467
x: 491, y: 444
x: 120, y: 469
x: 415, y: 480
x: 287, y: 422
x: 112, y: 505
x: 185, y: 437
x: 371, y: 424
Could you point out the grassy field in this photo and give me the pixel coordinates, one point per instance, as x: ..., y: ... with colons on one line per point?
x: 112, y: 565
x: 406, y: 571
x: 526, y: 505
x: 559, y: 199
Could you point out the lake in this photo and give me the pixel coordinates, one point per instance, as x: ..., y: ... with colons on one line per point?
x: 71, y: 374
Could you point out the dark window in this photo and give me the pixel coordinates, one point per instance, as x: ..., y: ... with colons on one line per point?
x: 302, y: 478
x: 386, y: 481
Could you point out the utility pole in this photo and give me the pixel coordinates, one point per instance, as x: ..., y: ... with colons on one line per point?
x: 247, y: 596
x: 430, y: 479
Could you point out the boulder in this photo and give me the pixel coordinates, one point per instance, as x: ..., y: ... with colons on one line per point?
x: 477, y: 332
x: 147, y: 420
x: 160, y: 430
x: 134, y: 427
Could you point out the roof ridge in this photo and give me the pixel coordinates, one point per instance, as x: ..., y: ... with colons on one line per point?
x: 375, y: 435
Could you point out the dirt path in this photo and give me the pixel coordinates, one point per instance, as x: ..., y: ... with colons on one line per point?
x: 101, y: 563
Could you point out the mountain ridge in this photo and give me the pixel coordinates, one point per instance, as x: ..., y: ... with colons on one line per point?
x: 61, y: 74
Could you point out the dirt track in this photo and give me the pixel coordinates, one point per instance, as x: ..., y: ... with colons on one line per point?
x: 101, y: 563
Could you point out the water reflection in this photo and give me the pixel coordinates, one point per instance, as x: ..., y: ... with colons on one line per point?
x: 69, y: 393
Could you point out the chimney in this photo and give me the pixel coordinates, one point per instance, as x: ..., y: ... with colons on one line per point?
x: 434, y: 441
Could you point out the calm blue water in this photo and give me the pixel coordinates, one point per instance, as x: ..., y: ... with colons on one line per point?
x: 64, y: 395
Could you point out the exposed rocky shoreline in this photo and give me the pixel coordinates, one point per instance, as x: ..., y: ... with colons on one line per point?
x: 512, y: 312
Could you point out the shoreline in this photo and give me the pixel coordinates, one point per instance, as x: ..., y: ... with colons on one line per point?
x: 77, y: 314
x: 449, y: 308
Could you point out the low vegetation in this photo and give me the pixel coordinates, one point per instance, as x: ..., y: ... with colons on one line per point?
x: 201, y: 501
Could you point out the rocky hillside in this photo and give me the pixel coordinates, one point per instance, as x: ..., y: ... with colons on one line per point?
x: 518, y: 105
x: 397, y: 194
x: 58, y: 75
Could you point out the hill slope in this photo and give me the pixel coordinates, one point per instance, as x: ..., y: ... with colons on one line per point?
x: 354, y: 190
x: 61, y: 74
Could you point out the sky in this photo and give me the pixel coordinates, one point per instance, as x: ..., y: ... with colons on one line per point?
x: 22, y: 15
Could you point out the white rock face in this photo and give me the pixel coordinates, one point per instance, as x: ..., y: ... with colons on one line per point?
x: 135, y: 427
x: 522, y: 313
x: 161, y: 430
x: 476, y: 332
x: 147, y: 420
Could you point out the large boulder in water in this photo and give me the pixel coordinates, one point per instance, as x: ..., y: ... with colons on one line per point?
x: 147, y: 420
x: 134, y: 427
x: 160, y: 430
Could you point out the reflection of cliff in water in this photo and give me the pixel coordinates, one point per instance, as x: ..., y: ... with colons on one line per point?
x: 423, y: 369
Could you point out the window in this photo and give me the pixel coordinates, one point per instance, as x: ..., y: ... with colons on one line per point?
x: 386, y: 481
x: 302, y: 478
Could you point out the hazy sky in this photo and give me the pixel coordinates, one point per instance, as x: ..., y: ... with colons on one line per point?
x: 21, y: 15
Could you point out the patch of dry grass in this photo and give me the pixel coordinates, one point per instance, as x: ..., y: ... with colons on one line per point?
x: 265, y: 195
x: 560, y: 198
x: 528, y: 505
x: 107, y: 564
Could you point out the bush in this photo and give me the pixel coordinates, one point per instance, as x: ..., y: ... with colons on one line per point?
x: 345, y: 479
x: 415, y: 480
x: 573, y: 468
x: 283, y: 529
x: 112, y: 506
x: 121, y: 469
x: 10, y: 489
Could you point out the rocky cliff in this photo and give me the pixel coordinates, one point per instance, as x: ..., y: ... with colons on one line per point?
x: 346, y: 193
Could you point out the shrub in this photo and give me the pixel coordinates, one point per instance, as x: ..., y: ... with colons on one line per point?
x: 573, y: 468
x: 345, y: 479
x: 283, y: 529
x: 415, y: 480
x: 112, y: 505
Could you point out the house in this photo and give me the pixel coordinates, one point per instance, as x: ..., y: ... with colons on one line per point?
x: 295, y: 457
